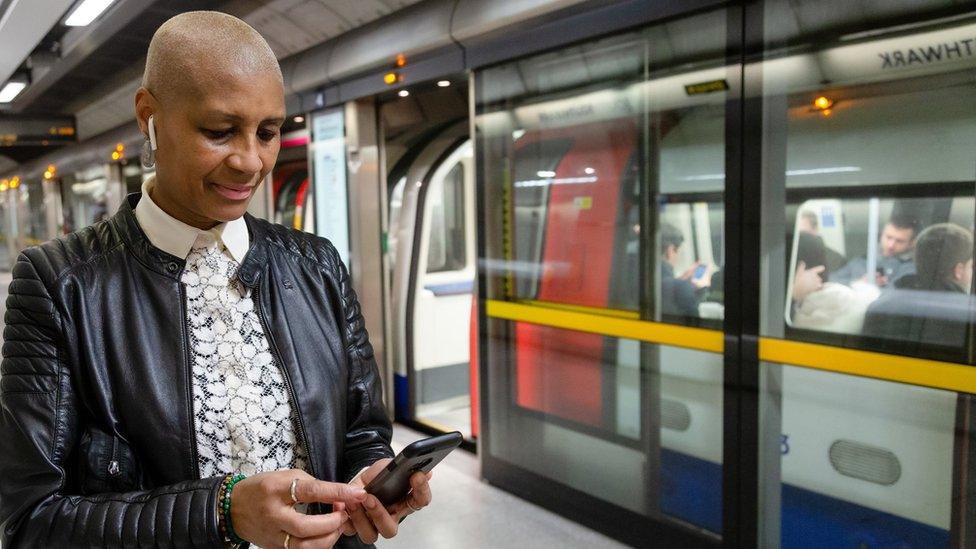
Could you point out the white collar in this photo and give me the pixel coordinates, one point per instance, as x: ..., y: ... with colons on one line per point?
x: 177, y: 238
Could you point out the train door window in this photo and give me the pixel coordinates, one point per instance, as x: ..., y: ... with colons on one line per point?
x: 446, y: 250
x: 598, y: 168
x: 868, y: 204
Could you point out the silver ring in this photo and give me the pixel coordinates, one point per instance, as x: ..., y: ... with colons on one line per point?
x: 287, y: 539
x: 294, y: 498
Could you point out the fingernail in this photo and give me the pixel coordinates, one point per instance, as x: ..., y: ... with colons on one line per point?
x: 370, y: 502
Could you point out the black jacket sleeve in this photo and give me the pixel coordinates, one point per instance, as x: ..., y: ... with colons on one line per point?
x: 368, y: 426
x: 39, y: 428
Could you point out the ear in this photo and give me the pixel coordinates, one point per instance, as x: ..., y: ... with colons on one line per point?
x: 959, y: 272
x: 146, y: 105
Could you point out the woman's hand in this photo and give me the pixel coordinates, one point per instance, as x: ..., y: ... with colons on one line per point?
x: 262, y: 510
x: 370, y: 519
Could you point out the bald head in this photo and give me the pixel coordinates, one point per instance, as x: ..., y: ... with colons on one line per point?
x: 197, y: 47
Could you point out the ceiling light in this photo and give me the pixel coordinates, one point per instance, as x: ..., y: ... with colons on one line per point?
x: 299, y: 119
x: 822, y: 103
x: 403, y: 93
x: 443, y: 83
x: 86, y: 12
x: 10, y: 91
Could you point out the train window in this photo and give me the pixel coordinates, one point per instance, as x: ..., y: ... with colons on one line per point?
x: 446, y: 246
x: 897, y: 271
x: 868, y: 197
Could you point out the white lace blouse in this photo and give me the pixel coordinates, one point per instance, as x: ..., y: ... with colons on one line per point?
x: 244, y: 418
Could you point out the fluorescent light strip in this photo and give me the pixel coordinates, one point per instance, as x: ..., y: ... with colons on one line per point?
x: 811, y: 171
x: 10, y: 91
x: 86, y: 12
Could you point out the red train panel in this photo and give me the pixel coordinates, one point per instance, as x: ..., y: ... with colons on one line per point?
x: 560, y: 372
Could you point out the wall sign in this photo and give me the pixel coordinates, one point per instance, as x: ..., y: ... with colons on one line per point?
x: 329, y: 179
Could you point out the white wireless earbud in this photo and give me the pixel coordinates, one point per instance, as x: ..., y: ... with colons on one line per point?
x: 152, y: 133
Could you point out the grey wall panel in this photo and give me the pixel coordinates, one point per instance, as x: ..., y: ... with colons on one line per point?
x: 473, y: 18
x: 583, y: 21
x: 309, y: 70
x: 419, y: 28
x: 110, y: 111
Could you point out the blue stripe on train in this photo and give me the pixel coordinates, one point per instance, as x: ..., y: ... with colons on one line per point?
x: 691, y: 491
x: 401, y: 397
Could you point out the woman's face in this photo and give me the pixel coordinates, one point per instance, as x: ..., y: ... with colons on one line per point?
x: 215, y: 145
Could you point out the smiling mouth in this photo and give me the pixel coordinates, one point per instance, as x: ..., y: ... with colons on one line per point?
x: 233, y: 193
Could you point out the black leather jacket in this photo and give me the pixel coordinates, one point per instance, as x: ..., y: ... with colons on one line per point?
x: 97, y: 433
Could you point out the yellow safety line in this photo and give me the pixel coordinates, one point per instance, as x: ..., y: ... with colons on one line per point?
x: 652, y: 332
x: 615, y: 323
x: 619, y: 313
x: 915, y: 371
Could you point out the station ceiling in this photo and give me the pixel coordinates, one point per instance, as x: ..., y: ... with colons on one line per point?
x: 74, y: 67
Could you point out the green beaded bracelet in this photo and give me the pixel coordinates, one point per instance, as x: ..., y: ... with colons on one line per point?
x: 228, y: 490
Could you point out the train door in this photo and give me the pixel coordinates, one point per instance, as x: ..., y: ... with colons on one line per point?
x: 441, y: 281
x: 431, y: 250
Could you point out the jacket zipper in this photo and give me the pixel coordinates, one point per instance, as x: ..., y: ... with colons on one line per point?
x: 194, y: 459
x: 113, y: 464
x: 287, y: 377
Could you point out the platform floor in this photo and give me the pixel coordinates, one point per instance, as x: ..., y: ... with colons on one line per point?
x: 469, y: 513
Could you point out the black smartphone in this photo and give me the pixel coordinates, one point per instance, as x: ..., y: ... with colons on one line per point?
x: 393, y: 482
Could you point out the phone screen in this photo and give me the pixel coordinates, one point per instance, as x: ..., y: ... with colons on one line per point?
x: 700, y: 271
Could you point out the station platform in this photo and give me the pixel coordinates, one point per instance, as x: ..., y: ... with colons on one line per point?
x: 683, y: 274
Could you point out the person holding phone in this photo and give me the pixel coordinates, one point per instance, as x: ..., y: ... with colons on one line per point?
x: 680, y: 295
x: 184, y: 374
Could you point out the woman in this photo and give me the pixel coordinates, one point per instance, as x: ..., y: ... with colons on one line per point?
x: 151, y: 359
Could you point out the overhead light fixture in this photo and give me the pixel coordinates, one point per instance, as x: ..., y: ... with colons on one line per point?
x: 11, y: 90
x: 823, y: 103
x: 403, y: 93
x: 119, y: 152
x: 86, y: 12
x: 443, y: 83
x: 298, y: 119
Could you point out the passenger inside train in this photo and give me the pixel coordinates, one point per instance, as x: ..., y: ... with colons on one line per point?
x: 933, y: 304
x: 680, y: 294
x: 919, y: 293
x: 897, y: 244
